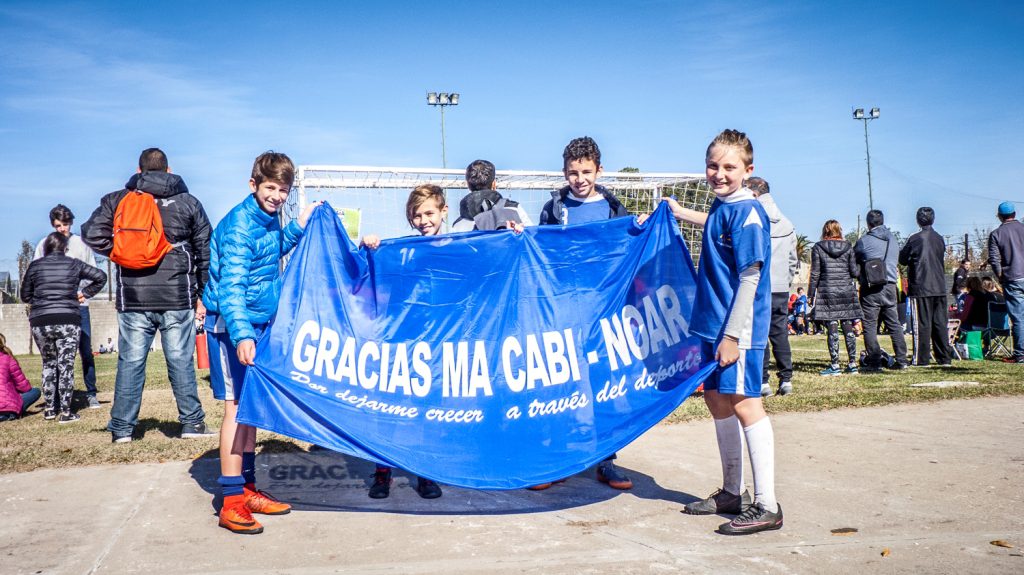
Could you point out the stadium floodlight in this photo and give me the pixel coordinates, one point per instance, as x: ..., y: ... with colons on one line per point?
x: 441, y: 100
x: 858, y: 114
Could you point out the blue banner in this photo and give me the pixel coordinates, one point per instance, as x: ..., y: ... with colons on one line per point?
x: 488, y: 360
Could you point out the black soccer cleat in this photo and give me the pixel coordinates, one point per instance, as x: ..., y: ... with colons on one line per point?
x: 754, y: 519
x: 720, y: 501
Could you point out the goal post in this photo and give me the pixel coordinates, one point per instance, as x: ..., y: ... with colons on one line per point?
x: 371, y: 199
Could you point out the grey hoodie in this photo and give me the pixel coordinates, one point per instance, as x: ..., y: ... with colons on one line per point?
x: 785, y: 263
x: 872, y: 246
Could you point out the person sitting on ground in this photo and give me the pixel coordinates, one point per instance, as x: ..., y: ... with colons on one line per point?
x: 833, y: 294
x: 974, y: 315
x: 483, y: 208
x: 16, y: 393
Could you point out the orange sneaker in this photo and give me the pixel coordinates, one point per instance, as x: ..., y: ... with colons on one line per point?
x: 236, y: 517
x: 262, y: 502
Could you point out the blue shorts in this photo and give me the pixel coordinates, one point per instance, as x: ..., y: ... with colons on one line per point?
x: 226, y: 372
x: 740, y: 378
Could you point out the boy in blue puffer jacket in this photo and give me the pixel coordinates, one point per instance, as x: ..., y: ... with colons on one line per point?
x: 241, y: 298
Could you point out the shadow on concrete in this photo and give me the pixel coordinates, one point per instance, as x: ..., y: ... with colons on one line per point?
x: 322, y: 480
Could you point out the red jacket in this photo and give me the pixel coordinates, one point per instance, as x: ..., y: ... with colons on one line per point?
x: 12, y: 384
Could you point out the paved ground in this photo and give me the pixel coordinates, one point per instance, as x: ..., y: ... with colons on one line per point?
x: 927, y: 487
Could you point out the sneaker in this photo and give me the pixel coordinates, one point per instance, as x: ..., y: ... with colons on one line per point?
x: 92, y: 402
x: 785, y: 388
x: 427, y: 488
x: 236, y: 517
x: 1013, y: 360
x: 832, y: 370
x: 543, y: 486
x: 121, y: 439
x: 851, y: 369
x: 899, y: 366
x: 69, y: 417
x: 197, y: 431
x: 613, y: 476
x: 870, y: 369
x: 766, y: 390
x: 381, y: 487
x: 753, y: 519
x: 720, y: 501
x: 262, y: 502
x: 49, y: 414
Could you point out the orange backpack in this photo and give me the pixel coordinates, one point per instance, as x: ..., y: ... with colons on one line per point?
x: 139, y: 240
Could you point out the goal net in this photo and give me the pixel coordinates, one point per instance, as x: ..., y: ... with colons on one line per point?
x: 371, y: 200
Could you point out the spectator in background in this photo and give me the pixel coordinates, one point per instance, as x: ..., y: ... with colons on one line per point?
x: 924, y: 255
x: 1006, y: 258
x: 800, y: 312
x: 61, y: 219
x: 992, y: 288
x: 51, y: 286
x: 16, y: 394
x: 833, y: 296
x: 162, y: 297
x: 879, y: 302
x: 483, y: 208
x: 960, y: 277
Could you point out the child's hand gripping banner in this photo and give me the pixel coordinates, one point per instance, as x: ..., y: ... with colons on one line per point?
x: 485, y: 359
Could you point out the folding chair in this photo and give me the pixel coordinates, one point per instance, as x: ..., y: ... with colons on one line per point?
x: 953, y: 331
x: 998, y: 330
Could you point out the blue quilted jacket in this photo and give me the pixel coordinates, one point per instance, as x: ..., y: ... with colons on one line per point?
x: 245, y: 279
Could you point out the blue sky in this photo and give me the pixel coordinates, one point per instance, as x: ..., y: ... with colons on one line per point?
x: 85, y: 86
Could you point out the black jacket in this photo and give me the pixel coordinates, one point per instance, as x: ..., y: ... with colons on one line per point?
x: 831, y: 289
x: 178, y: 280
x: 51, y: 286
x: 552, y: 212
x: 924, y: 255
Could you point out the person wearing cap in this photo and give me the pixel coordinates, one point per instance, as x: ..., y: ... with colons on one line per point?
x: 1006, y: 258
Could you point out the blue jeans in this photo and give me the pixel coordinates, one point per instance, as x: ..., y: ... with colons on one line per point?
x: 1014, y: 292
x: 28, y: 398
x: 85, y: 350
x: 178, y: 336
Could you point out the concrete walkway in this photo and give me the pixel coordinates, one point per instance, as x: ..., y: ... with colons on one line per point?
x: 927, y: 487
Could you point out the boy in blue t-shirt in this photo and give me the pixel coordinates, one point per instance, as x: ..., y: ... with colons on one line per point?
x: 734, y: 299
x: 582, y: 201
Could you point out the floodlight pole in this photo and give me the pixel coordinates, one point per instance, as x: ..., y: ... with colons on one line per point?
x: 441, y: 100
x: 858, y: 114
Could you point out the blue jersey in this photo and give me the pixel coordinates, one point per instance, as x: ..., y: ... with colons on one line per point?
x: 736, y: 236
x: 593, y: 210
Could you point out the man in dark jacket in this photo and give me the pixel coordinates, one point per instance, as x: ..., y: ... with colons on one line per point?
x: 960, y: 277
x: 879, y: 302
x: 1006, y: 257
x: 924, y: 255
x: 164, y: 297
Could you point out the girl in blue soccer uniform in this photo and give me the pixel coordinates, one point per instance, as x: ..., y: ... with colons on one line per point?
x: 734, y: 299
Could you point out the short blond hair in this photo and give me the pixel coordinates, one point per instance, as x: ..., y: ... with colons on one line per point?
x: 421, y: 194
x: 735, y: 139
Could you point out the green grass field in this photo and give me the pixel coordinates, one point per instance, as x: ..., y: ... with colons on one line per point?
x: 32, y: 443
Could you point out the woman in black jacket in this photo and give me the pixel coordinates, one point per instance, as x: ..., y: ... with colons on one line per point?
x: 51, y: 286
x: 833, y: 295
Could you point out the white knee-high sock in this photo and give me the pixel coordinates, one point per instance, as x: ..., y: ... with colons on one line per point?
x: 730, y: 448
x: 761, y: 447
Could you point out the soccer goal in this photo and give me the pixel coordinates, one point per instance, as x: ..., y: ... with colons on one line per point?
x: 371, y: 200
